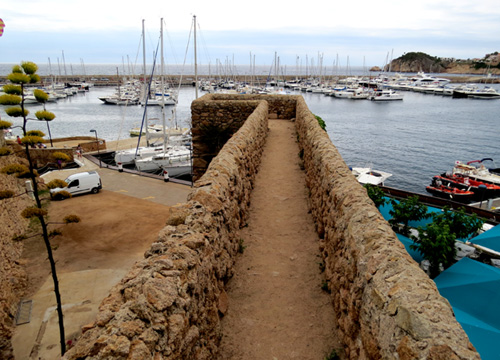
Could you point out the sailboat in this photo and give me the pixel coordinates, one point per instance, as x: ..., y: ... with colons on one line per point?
x: 173, y: 139
x: 174, y: 159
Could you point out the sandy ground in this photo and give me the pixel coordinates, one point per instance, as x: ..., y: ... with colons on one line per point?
x: 91, y: 257
x: 277, y: 309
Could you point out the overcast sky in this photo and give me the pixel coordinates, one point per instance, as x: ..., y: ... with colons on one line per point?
x: 361, y: 32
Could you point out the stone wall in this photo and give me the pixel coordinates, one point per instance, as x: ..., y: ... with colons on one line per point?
x: 386, y: 306
x: 169, y: 304
x: 13, y: 279
x: 216, y: 117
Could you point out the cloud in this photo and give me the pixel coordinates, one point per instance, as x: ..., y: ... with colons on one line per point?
x: 106, y: 31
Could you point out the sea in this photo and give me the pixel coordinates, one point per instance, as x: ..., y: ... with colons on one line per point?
x: 414, y: 139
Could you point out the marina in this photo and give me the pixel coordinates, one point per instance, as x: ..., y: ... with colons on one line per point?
x: 414, y: 139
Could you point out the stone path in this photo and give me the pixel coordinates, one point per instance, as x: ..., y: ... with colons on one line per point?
x: 277, y: 309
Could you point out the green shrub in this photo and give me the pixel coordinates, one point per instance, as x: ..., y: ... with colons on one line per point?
x: 61, y: 195
x: 35, y: 133
x: 32, y: 212
x: 12, y: 89
x: 31, y: 140
x: 40, y: 95
x: 15, y: 111
x: 406, y: 210
x: 375, y: 194
x: 71, y: 219
x: 13, y: 169
x: 5, y: 124
x: 57, y: 183
x: 45, y: 115
x: 321, y: 122
x: 4, y: 151
x: 8, y: 99
x: 61, y: 156
x: 19, y: 78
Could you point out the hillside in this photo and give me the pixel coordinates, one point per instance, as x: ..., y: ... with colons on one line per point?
x: 418, y: 61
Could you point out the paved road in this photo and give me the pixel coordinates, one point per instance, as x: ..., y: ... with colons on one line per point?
x: 142, y: 187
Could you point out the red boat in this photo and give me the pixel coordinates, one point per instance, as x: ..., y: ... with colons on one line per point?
x: 452, y: 193
x: 482, y: 190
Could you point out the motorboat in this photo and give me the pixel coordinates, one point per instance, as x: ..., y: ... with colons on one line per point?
x: 448, y: 192
x: 351, y: 93
x: 481, y: 189
x: 366, y: 175
x: 476, y: 170
x: 385, y: 95
x: 487, y: 93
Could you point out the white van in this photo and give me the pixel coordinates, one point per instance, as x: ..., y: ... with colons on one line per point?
x: 81, y: 183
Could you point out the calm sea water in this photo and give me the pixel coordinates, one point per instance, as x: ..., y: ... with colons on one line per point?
x: 413, y: 139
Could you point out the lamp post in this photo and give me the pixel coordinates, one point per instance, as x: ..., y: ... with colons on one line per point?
x: 97, y: 143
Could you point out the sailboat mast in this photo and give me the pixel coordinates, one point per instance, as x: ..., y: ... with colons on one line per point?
x: 145, y: 81
x: 162, y: 84
x: 195, y: 60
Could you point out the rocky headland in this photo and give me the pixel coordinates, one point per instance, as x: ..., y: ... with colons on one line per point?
x: 418, y: 61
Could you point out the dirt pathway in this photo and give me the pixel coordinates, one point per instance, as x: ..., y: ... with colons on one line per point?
x: 277, y: 309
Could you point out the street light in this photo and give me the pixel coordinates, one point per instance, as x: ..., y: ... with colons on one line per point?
x: 97, y: 142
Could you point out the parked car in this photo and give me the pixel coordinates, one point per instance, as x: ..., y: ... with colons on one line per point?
x: 81, y: 183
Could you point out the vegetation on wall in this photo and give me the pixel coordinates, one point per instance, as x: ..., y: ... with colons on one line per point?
x: 14, y: 98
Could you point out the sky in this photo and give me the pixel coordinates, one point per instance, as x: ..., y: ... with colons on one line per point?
x: 354, y: 33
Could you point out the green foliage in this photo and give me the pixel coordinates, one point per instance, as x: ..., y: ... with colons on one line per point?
x: 40, y: 95
x: 4, y: 151
x: 407, y: 210
x: 6, y: 194
x: 8, y: 99
x: 45, y: 115
x: 57, y: 183
x: 5, y: 124
x: 31, y: 140
x: 462, y: 225
x: 34, y: 78
x: 29, y: 67
x: 414, y: 56
x: 17, y: 69
x: 61, y: 156
x: 12, y: 89
x: 61, y: 195
x: 35, y: 133
x: 13, y: 169
x: 32, y: 212
x: 437, y: 244
x: 321, y: 122
x: 19, y: 78
x: 16, y: 111
x: 71, y: 219
x: 375, y: 194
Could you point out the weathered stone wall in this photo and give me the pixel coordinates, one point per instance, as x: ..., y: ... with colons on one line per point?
x: 13, y: 279
x: 387, y: 307
x: 168, y: 306
x: 216, y: 117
